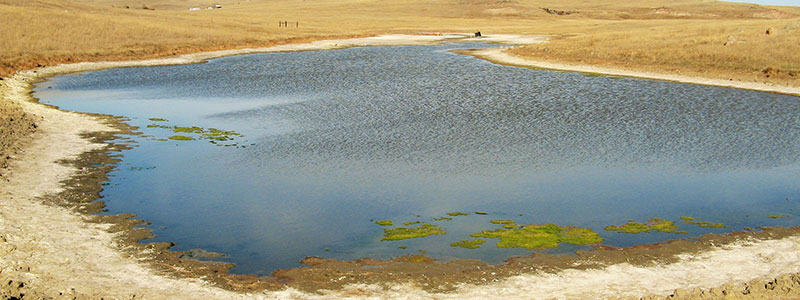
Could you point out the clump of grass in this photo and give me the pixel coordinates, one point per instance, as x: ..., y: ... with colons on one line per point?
x: 655, y: 224
x: 443, y: 219
x: 410, y: 223
x: 402, y: 247
x: 457, y: 213
x: 181, y: 138
x: 501, y: 221
x: 402, y: 233
x: 158, y: 120
x: 541, y: 236
x: 481, y: 213
x: 384, y: 222
x: 510, y: 226
x: 469, y: 244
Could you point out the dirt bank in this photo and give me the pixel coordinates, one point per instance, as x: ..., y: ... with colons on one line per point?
x: 500, y: 56
x: 15, y: 127
x: 52, y: 247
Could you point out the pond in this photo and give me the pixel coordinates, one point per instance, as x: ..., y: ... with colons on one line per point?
x: 270, y: 158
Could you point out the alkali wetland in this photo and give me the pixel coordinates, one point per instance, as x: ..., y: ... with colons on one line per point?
x: 386, y: 151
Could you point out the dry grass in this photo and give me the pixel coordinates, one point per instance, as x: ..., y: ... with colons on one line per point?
x: 671, y: 35
x: 726, y: 49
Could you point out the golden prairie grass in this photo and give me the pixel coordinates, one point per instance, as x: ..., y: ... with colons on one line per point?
x: 660, y: 35
x: 726, y: 49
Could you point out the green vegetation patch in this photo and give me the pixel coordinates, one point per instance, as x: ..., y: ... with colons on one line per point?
x: 402, y: 233
x: 510, y: 226
x: 193, y: 129
x: 410, y: 223
x: 697, y: 222
x: 220, y: 135
x: 655, y: 224
x: 181, y: 138
x: 418, y: 258
x: 469, y: 244
x: 481, y: 213
x: 443, y: 219
x: 662, y: 225
x: 779, y: 216
x: 213, y: 135
x: 630, y: 227
x: 457, y: 213
x: 541, y: 236
x: 384, y: 222
x: 502, y: 221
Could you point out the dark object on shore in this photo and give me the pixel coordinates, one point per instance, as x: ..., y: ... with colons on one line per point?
x: 558, y: 12
x: 478, y: 34
x: 286, y: 24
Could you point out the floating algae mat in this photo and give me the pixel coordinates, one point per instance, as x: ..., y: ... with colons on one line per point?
x: 654, y: 224
x: 323, y: 144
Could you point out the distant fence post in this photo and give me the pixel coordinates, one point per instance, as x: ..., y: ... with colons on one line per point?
x: 286, y: 23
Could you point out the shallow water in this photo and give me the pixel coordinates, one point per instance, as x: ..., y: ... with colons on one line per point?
x: 334, y: 139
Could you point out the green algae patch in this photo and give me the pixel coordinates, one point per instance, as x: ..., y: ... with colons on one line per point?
x: 654, y: 224
x: 417, y: 258
x: 220, y: 135
x: 502, y: 221
x: 443, y: 219
x: 402, y: 233
x: 481, y: 213
x: 510, y: 226
x: 709, y: 224
x: 181, y: 138
x: 630, y: 227
x: 457, y: 213
x: 779, y: 216
x: 662, y: 225
x: 384, y: 222
x: 193, y: 129
x: 541, y: 236
x: 213, y: 135
x: 402, y: 247
x: 410, y: 223
x: 469, y: 244
x: 697, y: 222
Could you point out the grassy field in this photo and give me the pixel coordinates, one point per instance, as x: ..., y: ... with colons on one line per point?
x: 710, y: 38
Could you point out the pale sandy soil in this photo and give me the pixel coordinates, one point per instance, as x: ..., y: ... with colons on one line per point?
x: 50, y: 251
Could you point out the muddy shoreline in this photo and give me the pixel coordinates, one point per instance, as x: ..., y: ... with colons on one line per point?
x: 79, y: 179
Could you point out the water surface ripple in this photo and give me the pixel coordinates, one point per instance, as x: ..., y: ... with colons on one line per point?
x: 333, y: 139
